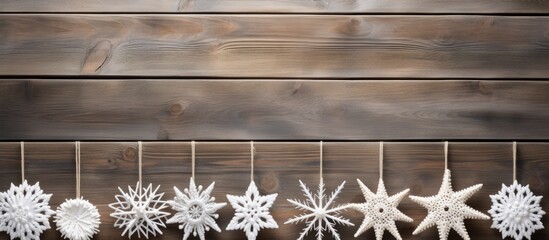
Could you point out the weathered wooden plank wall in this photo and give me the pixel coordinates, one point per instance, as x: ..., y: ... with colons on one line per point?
x: 195, y: 109
x: 315, y: 46
x: 279, y: 6
x: 290, y: 72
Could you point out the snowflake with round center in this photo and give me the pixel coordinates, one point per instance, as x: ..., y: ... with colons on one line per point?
x: 380, y: 211
x: 447, y: 209
x: 24, y: 211
x: 323, y: 214
x: 140, y: 211
x: 77, y: 219
x: 516, y: 211
x: 196, y: 210
x: 252, y: 212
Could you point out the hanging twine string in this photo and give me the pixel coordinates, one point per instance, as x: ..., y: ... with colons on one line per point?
x: 192, y: 158
x: 445, y: 155
x: 140, y: 163
x: 22, y: 161
x: 321, y: 159
x: 514, y: 161
x: 77, y: 158
x: 252, y: 153
x: 381, y: 160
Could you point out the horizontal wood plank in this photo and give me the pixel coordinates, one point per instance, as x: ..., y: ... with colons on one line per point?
x: 155, y: 109
x: 279, y: 6
x: 278, y: 167
x: 278, y: 46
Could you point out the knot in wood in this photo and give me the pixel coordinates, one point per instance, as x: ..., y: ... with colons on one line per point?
x: 97, y: 57
x: 177, y: 108
x: 129, y: 154
x: 355, y: 26
x: 269, y: 183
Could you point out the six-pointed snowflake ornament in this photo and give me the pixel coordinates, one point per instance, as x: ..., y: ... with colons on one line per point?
x: 380, y: 211
x: 77, y: 219
x: 516, y: 211
x: 322, y: 214
x: 140, y: 211
x: 196, y: 210
x: 252, y: 212
x: 447, y: 209
x: 24, y: 211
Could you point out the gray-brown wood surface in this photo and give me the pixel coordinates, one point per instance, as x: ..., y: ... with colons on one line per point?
x: 278, y: 46
x: 289, y: 73
x: 278, y: 167
x: 279, y: 6
x: 194, y: 109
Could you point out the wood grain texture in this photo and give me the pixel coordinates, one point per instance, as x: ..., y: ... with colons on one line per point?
x: 279, y: 6
x: 278, y: 167
x: 327, y: 46
x: 49, y: 109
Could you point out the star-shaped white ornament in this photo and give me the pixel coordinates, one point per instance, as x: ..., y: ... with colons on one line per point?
x: 252, y: 212
x: 447, y: 209
x: 516, y: 211
x: 24, y: 211
x: 323, y: 214
x: 140, y: 211
x: 380, y: 211
x: 77, y: 219
x: 196, y: 210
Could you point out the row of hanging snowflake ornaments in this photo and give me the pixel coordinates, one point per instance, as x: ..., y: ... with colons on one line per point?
x: 25, y: 210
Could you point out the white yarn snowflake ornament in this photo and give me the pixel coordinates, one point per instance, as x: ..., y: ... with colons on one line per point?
x: 25, y: 211
x: 196, y: 210
x: 380, y: 211
x: 77, y: 219
x: 323, y: 213
x: 516, y: 211
x: 252, y: 212
x: 447, y: 209
x: 140, y: 211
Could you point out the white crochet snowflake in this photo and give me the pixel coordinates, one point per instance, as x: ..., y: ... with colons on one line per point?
x: 380, y: 211
x: 24, y: 211
x: 447, y: 209
x: 77, y: 219
x: 196, y: 210
x: 516, y: 211
x: 140, y: 211
x: 252, y: 212
x: 323, y: 214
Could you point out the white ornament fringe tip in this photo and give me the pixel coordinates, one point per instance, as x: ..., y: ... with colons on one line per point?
x: 77, y: 219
